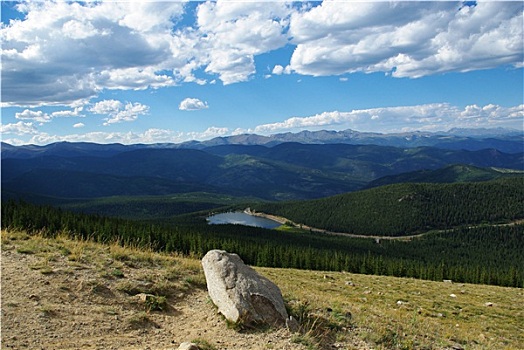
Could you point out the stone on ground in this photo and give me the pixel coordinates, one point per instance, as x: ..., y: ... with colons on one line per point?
x: 240, y: 293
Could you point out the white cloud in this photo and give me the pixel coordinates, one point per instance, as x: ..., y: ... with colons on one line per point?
x: 278, y: 70
x: 117, y: 112
x: 192, y: 104
x: 19, y: 128
x: 63, y: 52
x: 153, y: 135
x: 211, y: 132
x: 408, y: 39
x: 74, y: 113
x: 130, y: 113
x: 78, y: 125
x: 37, y: 116
x: 67, y: 53
x: 234, y: 32
x: 430, y: 117
x: 42, y: 117
x: 106, y: 107
x: 79, y: 30
x: 134, y: 78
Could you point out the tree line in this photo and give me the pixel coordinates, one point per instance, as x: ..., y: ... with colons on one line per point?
x: 486, y: 254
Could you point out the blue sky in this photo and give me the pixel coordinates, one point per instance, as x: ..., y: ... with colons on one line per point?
x: 146, y: 72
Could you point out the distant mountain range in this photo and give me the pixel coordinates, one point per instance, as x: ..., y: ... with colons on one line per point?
x: 248, y: 165
x: 504, y: 140
x: 509, y: 141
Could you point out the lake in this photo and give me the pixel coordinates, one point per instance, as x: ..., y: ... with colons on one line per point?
x: 241, y: 218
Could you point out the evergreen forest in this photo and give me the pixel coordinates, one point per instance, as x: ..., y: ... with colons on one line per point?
x: 488, y: 254
x: 408, y: 208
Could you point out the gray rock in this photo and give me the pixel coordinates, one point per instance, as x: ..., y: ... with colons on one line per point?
x: 240, y: 293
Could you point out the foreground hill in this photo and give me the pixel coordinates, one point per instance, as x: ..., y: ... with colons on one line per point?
x: 283, y: 172
x: 66, y: 294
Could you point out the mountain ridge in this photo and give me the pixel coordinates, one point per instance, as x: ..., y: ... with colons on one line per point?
x: 284, y: 171
x: 505, y: 140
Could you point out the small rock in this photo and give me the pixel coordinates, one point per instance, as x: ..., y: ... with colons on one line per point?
x: 143, y: 297
x: 188, y: 346
x: 447, y: 281
x: 488, y: 304
x: 349, y: 283
x: 453, y: 295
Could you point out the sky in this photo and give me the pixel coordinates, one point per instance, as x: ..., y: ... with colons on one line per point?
x: 154, y: 72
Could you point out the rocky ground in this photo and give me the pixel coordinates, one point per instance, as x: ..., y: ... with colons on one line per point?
x: 54, y: 297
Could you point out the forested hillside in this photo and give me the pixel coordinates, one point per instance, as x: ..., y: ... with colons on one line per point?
x: 406, y: 209
x: 486, y: 254
x: 448, y: 174
x: 287, y: 171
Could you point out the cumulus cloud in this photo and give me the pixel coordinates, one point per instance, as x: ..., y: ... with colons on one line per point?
x: 117, y: 112
x: 78, y: 125
x: 64, y: 52
x: 192, y: 104
x: 42, y: 117
x: 237, y: 31
x: 37, y: 116
x: 67, y: 53
x: 69, y: 113
x: 278, y: 70
x: 153, y: 135
x: 130, y: 113
x: 106, y: 107
x: 429, y: 117
x: 209, y: 133
x: 20, y: 128
x: 406, y: 39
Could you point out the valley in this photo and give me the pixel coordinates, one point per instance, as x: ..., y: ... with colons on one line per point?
x: 424, y: 212
x: 350, y: 221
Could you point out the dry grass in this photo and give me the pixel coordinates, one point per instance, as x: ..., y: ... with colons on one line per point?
x: 357, y: 311
x: 399, y: 313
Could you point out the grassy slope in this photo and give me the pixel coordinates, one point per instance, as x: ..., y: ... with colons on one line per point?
x: 358, y: 311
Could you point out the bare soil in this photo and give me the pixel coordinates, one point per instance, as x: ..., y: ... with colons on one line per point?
x: 62, y: 304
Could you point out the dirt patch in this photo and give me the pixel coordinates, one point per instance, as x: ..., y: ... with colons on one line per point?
x: 51, y: 301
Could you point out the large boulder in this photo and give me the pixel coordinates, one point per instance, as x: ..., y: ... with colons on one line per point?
x: 240, y: 293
